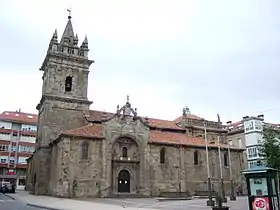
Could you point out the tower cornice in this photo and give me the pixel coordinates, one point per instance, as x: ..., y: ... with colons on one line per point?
x: 62, y: 99
x: 61, y: 56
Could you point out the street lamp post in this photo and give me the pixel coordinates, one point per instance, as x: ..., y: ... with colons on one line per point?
x: 221, y: 168
x: 210, y: 201
x: 232, y: 194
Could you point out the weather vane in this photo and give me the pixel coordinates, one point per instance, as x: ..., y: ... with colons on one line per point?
x: 69, y: 15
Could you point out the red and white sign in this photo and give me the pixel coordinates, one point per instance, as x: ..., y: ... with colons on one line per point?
x: 261, y: 204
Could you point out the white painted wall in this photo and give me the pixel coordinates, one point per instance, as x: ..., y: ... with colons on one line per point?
x: 22, y: 160
x: 253, y: 130
x: 30, y: 139
x: 5, y: 136
x: 253, y: 138
x: 5, y: 125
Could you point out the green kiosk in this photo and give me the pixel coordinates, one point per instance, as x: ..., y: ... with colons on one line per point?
x: 262, y: 185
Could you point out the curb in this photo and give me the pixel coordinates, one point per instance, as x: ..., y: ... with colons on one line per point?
x: 201, y: 197
x: 9, y: 196
x: 42, y: 207
x: 173, y: 199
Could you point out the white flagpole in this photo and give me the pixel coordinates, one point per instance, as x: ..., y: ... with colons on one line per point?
x: 209, y: 201
x: 207, y: 154
x: 220, y: 160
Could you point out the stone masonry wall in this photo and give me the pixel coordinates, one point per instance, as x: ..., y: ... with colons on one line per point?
x: 77, y: 177
x: 59, y: 109
x: 97, y: 176
x: 179, y: 173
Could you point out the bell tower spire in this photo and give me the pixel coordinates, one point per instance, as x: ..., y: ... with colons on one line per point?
x: 64, y: 101
x: 68, y: 34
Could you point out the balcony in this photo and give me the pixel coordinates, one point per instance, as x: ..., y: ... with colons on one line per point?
x: 15, y: 138
x: 134, y: 159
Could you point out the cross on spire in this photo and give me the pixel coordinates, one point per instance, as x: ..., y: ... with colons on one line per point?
x: 69, y: 14
x: 219, y: 119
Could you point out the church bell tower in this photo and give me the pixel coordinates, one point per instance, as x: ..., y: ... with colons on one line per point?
x: 64, y: 101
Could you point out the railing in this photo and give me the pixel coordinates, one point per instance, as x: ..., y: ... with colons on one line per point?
x: 126, y: 159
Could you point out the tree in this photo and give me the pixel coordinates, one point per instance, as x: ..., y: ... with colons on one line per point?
x: 270, y: 147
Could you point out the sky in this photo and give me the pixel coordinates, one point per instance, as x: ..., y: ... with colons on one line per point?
x: 213, y: 56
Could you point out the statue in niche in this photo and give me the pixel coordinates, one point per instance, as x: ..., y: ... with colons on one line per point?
x: 127, y: 109
x: 114, y: 154
x: 134, y: 156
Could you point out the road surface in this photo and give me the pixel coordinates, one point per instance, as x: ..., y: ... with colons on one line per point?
x: 7, y: 203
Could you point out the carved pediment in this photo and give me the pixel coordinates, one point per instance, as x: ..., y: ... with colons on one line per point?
x: 127, y: 110
x: 125, y: 116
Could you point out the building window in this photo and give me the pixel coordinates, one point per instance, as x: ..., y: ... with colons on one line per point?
x: 3, y: 160
x: 162, y: 155
x: 4, y: 148
x: 253, y: 164
x: 251, y: 126
x: 124, y: 152
x: 252, y: 152
x: 68, y: 84
x: 226, y: 159
x: 195, y: 158
x: 240, y: 143
x: 258, y: 125
x: 85, y: 150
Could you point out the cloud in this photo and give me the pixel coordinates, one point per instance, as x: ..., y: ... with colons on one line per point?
x: 214, y: 56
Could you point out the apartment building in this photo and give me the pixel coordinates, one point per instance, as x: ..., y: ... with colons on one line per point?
x: 17, y: 143
x: 247, y: 134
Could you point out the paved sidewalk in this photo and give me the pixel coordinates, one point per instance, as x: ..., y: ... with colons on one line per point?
x: 65, y: 204
x: 121, y: 204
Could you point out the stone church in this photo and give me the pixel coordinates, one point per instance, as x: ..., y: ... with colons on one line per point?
x: 82, y: 152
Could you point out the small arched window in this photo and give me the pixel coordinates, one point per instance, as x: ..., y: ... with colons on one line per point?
x: 162, y: 155
x: 84, y: 150
x: 226, y: 159
x: 68, y: 84
x: 124, y: 152
x: 195, y: 158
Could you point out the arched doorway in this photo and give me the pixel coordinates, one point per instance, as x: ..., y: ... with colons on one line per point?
x: 124, y: 181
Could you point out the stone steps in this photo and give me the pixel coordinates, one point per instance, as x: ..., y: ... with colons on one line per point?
x: 126, y: 195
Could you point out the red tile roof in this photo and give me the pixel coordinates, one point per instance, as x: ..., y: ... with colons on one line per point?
x: 19, y: 117
x: 235, y: 123
x: 189, y: 116
x: 163, y: 124
x: 91, y: 130
x: 158, y: 123
x: 162, y: 137
x: 179, y: 139
x: 98, y: 115
x: 94, y: 116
